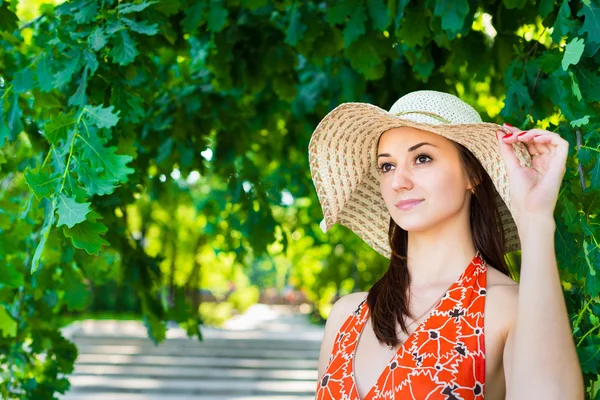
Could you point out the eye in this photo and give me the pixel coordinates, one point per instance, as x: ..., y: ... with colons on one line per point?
x: 422, y: 155
x: 382, y: 166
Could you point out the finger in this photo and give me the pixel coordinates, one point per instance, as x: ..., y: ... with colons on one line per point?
x: 559, y: 145
x: 555, y: 144
x: 533, y: 147
x: 544, y: 141
x: 560, y: 150
x: 507, y: 153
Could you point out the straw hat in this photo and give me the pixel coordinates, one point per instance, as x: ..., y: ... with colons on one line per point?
x: 343, y: 159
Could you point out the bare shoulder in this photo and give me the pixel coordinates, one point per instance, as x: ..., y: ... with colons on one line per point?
x: 502, y: 295
x: 345, y: 305
x: 340, y: 311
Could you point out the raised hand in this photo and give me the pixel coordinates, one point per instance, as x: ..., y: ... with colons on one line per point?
x: 534, y: 190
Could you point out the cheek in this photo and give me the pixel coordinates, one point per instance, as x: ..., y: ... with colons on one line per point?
x: 445, y: 187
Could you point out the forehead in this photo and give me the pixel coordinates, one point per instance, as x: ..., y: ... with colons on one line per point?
x: 407, y: 136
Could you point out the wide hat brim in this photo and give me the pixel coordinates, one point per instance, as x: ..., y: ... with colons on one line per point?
x: 343, y: 166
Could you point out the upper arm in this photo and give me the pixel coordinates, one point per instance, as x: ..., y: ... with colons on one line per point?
x: 511, y: 299
x: 340, y: 311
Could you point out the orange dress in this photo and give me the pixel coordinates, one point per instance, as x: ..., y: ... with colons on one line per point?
x: 444, y: 358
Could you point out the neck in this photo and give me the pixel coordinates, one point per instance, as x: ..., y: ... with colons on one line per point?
x: 438, y: 258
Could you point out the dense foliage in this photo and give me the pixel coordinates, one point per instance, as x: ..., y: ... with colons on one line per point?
x: 152, y: 143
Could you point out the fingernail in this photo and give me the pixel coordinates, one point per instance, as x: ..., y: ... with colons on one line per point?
x: 507, y: 124
x: 522, y: 133
x: 507, y: 135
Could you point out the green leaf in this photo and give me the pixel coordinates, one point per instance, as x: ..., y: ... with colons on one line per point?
x: 355, y: 26
x: 4, y: 131
x: 56, y: 128
x: 570, y: 104
x: 595, y: 174
x: 379, y: 14
x: 14, y: 115
x: 575, y: 86
x: 564, y: 23
x: 114, y: 165
x: 130, y: 105
x: 339, y: 11
x: 143, y: 28
x: 573, y: 53
x: 94, y: 183
x: 44, y: 75
x: 254, y: 4
x: 164, y: 150
x: 284, y: 87
x: 363, y: 54
x: 8, y: 325
x: 550, y: 60
x: 12, y: 278
x: 23, y: 81
x: 102, y: 117
x: 217, y: 16
x: 91, y: 61
x: 79, y: 98
x: 397, y: 10
x: 113, y: 26
x: 452, y: 14
x: 546, y: 7
x: 86, y: 11
x: 590, y: 362
x: 589, y: 82
x: 580, y: 122
x: 194, y: 16
x: 41, y: 183
x: 49, y: 207
x: 414, y: 29
x: 510, y: 4
x: 70, y: 212
x: 155, y: 327
x: 517, y: 102
x: 125, y: 49
x: 65, y: 74
x: 86, y: 235
x: 8, y: 19
x: 128, y: 8
x: 296, y: 28
x: 592, y: 281
x: 423, y: 63
x: 591, y: 23
x: 97, y: 39
x: 76, y: 292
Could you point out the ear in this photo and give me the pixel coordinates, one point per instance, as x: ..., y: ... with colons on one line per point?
x: 473, y: 185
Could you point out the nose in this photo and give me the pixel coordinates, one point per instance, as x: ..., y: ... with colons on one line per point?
x: 401, y: 179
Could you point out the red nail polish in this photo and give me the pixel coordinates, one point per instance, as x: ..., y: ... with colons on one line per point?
x: 507, y: 135
x: 522, y: 133
x: 507, y: 124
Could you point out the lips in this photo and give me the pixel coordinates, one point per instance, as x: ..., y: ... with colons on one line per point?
x: 408, y: 202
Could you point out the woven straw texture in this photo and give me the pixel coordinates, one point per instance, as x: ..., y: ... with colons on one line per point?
x: 343, y: 160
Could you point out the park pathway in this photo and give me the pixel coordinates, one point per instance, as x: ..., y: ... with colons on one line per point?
x: 270, y: 352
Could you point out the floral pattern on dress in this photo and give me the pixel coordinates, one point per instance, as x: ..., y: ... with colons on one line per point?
x: 444, y: 358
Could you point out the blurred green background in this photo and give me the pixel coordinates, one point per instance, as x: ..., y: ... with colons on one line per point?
x: 153, y: 154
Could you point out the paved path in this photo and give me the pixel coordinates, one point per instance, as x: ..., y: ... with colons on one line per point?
x: 270, y: 352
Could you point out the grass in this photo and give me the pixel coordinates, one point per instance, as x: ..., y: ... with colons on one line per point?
x: 65, y: 320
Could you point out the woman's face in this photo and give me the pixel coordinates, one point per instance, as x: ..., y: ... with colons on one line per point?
x: 409, y: 169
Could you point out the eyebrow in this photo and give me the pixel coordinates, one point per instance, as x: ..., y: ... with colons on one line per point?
x: 413, y: 148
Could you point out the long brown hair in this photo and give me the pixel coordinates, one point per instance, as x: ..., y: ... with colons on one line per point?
x: 388, y: 298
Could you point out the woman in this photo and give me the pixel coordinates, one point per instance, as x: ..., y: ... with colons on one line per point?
x: 444, y: 196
